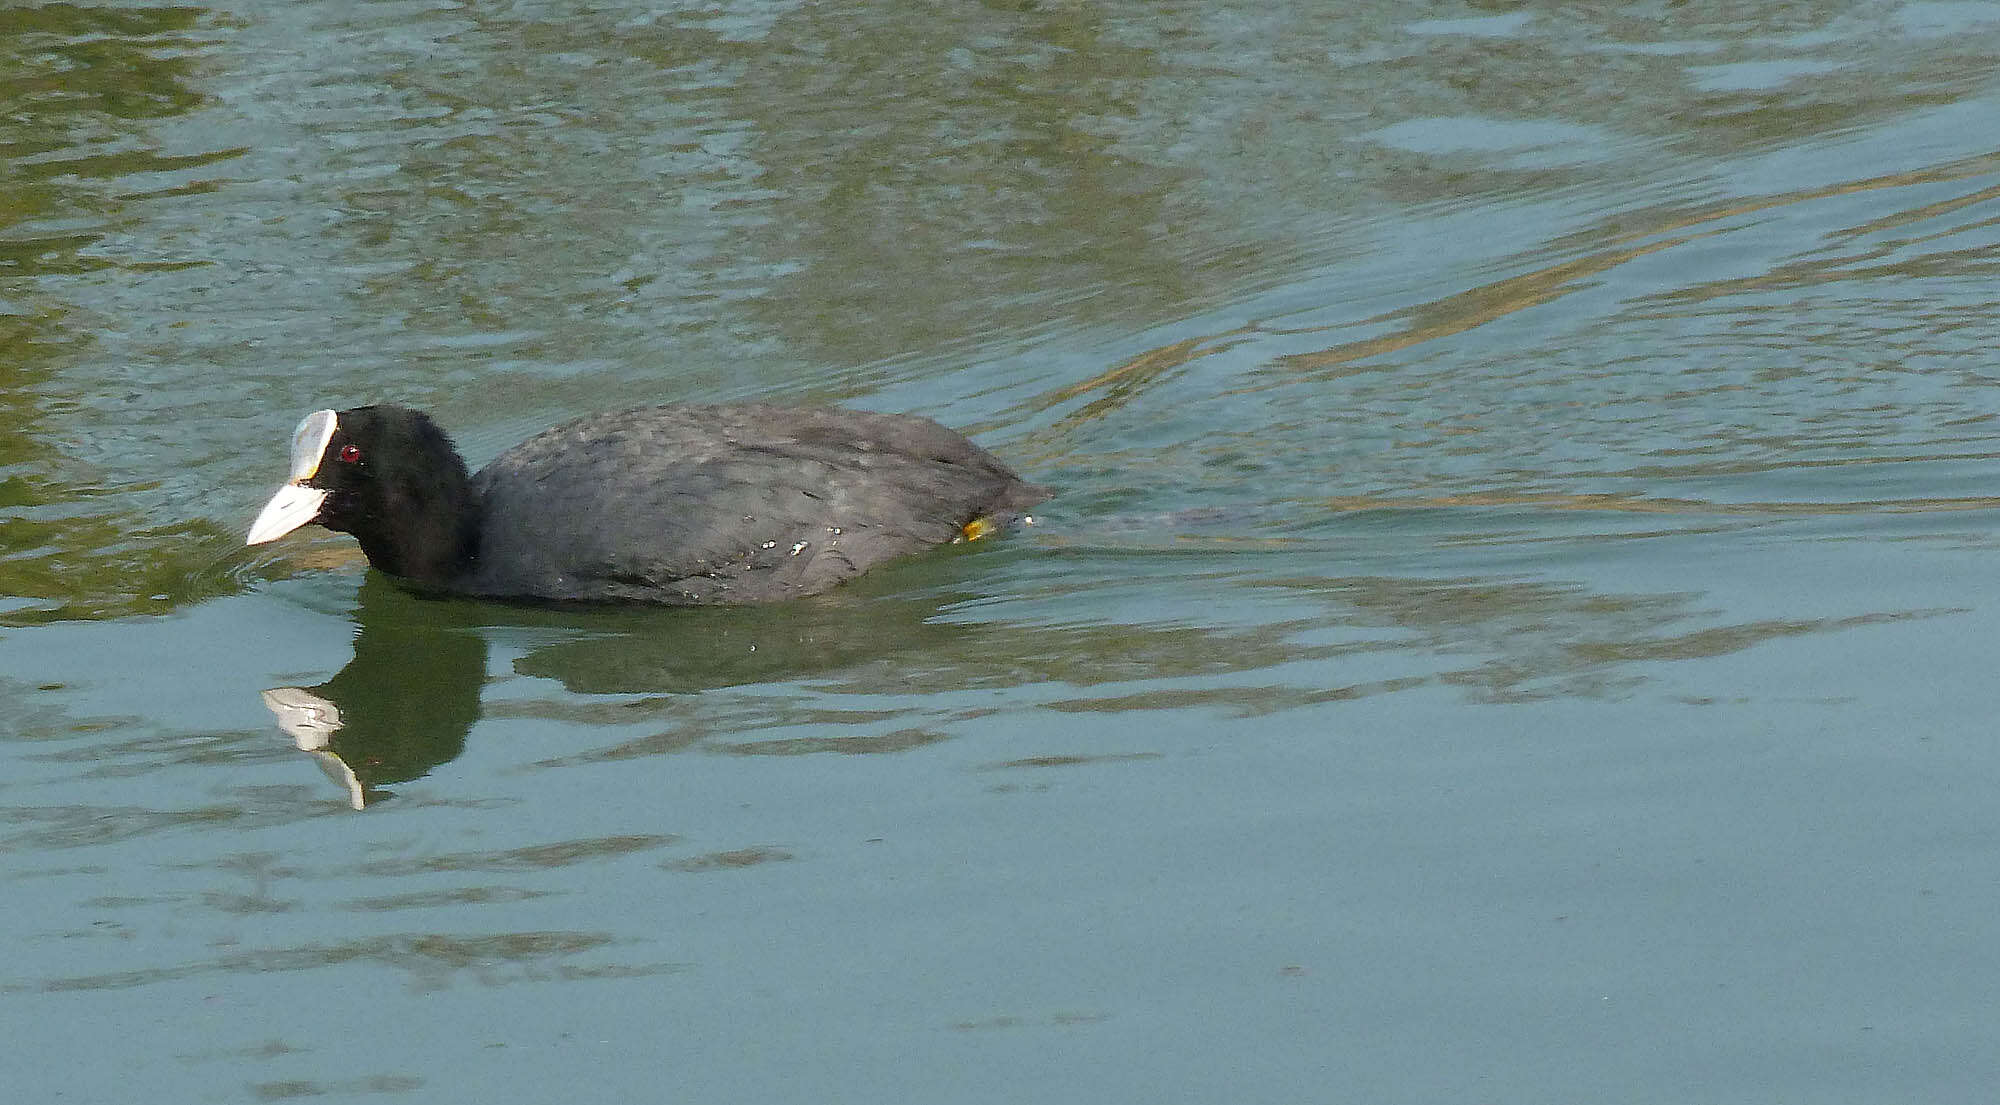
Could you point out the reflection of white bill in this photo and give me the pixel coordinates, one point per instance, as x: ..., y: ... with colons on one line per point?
x: 305, y: 717
x: 311, y: 722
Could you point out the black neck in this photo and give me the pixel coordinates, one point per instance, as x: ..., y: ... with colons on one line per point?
x: 436, y: 535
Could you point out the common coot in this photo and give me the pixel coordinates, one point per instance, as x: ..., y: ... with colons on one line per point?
x: 672, y: 504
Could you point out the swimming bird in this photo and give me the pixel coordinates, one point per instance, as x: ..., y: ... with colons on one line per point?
x: 677, y: 504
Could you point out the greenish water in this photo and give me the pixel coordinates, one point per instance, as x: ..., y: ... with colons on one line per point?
x: 1514, y: 625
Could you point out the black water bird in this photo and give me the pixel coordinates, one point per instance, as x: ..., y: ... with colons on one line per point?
x: 675, y: 504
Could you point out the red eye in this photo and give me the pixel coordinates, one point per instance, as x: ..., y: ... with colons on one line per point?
x: 350, y: 453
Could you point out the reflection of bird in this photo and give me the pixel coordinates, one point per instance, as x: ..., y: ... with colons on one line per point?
x: 674, y: 504
x: 403, y: 704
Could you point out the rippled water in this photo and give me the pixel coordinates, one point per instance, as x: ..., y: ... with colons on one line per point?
x: 1514, y: 625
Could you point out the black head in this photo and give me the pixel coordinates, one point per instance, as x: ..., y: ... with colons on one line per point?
x: 390, y: 477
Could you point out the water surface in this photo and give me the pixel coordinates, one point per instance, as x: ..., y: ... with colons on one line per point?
x: 1514, y: 625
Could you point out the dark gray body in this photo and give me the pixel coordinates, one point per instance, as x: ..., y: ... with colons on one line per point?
x: 725, y: 504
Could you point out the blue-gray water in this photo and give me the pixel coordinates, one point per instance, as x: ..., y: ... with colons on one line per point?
x: 1514, y: 625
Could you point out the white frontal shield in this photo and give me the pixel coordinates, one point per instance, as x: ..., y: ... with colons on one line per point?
x: 296, y: 504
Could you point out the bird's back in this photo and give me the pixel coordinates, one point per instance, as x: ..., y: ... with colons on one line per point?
x: 741, y: 503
